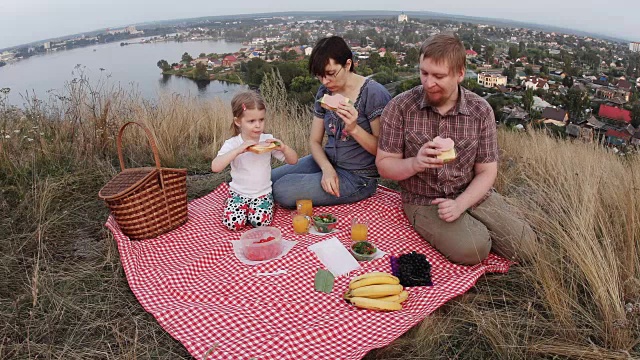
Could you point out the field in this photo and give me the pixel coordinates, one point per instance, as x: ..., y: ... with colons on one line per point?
x: 63, y: 294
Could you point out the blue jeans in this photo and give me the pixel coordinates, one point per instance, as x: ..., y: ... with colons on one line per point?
x: 303, y: 181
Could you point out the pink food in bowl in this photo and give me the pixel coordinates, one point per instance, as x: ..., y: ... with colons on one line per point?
x: 261, y: 243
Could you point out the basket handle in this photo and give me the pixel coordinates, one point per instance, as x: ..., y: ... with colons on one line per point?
x: 152, y: 142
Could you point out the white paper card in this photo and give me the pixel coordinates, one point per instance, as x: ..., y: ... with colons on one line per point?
x: 334, y: 256
x: 286, y: 246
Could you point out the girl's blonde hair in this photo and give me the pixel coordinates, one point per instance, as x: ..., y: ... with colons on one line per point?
x: 243, y: 101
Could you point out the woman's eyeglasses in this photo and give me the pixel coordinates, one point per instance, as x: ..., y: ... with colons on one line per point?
x: 329, y: 76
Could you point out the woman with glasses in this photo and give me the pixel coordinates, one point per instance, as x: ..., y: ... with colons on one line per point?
x: 343, y: 170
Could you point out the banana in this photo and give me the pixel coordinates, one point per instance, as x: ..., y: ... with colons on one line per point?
x: 374, y: 280
x: 374, y: 291
x: 375, y: 304
x: 396, y: 298
x: 372, y: 274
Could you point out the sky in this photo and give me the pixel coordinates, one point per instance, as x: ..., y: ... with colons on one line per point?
x: 24, y: 21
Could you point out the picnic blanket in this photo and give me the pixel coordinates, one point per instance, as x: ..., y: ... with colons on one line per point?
x: 217, y: 307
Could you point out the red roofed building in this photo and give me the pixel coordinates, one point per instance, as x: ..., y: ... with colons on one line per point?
x: 471, y: 53
x: 229, y: 60
x: 614, y: 113
x: 615, y: 137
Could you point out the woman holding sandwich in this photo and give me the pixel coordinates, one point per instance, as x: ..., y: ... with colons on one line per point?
x: 347, y: 109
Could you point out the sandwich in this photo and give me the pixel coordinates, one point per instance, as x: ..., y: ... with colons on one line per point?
x: 446, y: 148
x: 263, y: 147
x: 331, y: 102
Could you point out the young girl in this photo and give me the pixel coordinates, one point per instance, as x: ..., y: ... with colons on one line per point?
x: 250, y: 199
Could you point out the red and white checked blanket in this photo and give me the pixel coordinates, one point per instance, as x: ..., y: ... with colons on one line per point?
x: 192, y: 283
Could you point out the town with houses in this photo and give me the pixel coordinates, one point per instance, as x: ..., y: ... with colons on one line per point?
x: 580, y: 87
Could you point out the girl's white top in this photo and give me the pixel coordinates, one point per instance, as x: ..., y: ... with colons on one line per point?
x: 250, y: 173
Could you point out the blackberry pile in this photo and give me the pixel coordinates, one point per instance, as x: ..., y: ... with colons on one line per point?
x: 412, y: 269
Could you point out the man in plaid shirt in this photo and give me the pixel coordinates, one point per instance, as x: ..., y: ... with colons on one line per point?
x: 452, y: 206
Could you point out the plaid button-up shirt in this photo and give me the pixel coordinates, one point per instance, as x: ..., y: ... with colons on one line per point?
x: 408, y: 122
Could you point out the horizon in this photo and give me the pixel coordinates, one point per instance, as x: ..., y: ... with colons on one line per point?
x: 33, y: 15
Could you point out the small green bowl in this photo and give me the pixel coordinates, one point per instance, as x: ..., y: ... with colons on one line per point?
x: 324, y: 227
x: 363, y: 257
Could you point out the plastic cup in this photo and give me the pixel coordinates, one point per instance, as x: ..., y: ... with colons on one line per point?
x: 305, y: 206
x: 359, y: 229
x: 300, y: 223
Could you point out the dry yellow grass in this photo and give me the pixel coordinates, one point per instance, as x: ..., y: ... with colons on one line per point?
x: 63, y: 293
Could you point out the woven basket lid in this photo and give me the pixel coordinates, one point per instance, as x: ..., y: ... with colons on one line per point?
x: 125, y: 181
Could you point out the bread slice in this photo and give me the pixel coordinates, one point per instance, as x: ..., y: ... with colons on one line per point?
x: 446, y: 146
x: 448, y: 155
x: 331, y: 102
x: 262, y: 147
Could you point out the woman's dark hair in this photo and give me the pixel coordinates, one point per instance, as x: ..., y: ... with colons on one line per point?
x: 333, y: 47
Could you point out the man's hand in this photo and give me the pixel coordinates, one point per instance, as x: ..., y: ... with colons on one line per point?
x: 427, y: 158
x: 330, y: 182
x: 448, y: 210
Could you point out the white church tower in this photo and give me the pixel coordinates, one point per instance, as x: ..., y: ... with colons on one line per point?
x: 403, y: 17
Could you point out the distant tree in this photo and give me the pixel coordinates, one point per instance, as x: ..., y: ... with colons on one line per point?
x: 477, y: 46
x: 577, y: 102
x: 568, y: 65
x: 303, y: 39
x: 522, y: 47
x: 489, y: 52
x: 301, y: 84
x: 635, y: 115
x: 412, y: 57
x: 544, y: 70
x: 634, y: 96
x: 385, y: 76
x: 567, y: 81
x: 470, y: 84
x: 390, y: 43
x: 186, y: 58
x: 528, y: 70
x: 510, y: 73
x: 164, y: 65
x: 407, y: 85
x: 288, y: 55
x: 200, y: 72
x: 202, y: 55
x: 374, y: 61
x: 527, y: 99
x: 365, y: 70
x: 513, y: 52
x: 497, y: 102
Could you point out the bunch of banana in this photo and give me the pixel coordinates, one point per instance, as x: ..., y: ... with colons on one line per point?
x: 376, y: 291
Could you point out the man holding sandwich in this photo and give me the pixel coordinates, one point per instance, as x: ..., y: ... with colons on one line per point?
x: 452, y: 205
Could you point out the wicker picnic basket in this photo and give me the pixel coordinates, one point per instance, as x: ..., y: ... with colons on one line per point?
x: 149, y: 201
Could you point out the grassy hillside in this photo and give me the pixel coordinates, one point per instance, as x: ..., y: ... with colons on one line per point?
x: 63, y: 293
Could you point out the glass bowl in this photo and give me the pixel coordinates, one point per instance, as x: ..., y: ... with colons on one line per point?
x: 362, y: 257
x: 324, y: 226
x: 261, y: 243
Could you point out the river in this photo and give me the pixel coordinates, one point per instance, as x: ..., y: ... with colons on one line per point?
x: 131, y: 67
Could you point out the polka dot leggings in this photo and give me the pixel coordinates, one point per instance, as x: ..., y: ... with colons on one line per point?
x: 241, y: 210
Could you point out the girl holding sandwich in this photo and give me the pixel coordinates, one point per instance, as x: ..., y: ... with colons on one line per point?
x: 347, y: 109
x: 249, y: 152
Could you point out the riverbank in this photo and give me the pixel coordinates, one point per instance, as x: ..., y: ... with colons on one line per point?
x: 112, y: 65
x: 191, y: 73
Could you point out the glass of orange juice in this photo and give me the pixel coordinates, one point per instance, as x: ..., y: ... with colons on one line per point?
x: 359, y: 229
x: 300, y: 223
x: 305, y: 206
